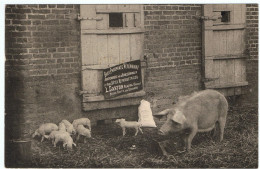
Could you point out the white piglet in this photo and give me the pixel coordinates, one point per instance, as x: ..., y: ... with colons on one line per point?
x: 45, y: 129
x: 69, y: 127
x: 52, y: 135
x: 129, y: 124
x: 65, y: 138
x: 62, y: 127
x: 82, y: 131
x: 82, y: 121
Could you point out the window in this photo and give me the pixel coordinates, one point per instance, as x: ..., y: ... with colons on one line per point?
x: 115, y: 20
x: 225, y: 16
x: 221, y: 17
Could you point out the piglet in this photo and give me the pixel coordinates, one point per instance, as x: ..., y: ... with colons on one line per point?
x: 62, y: 127
x: 65, y: 138
x: 81, y: 130
x: 69, y: 127
x: 83, y: 121
x: 129, y: 124
x: 45, y: 129
x: 51, y: 136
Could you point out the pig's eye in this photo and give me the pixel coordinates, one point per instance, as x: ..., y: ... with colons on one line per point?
x: 175, y: 124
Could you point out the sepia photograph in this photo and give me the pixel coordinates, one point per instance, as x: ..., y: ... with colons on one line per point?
x: 131, y: 85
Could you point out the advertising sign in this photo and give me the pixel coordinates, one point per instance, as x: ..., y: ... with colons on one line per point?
x: 122, y: 79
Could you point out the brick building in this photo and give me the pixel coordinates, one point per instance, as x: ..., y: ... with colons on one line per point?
x: 43, y: 69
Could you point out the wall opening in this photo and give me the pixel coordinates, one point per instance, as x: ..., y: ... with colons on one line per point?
x: 225, y: 16
x: 115, y: 19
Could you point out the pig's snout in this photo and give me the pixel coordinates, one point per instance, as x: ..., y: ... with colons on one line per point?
x: 160, y: 132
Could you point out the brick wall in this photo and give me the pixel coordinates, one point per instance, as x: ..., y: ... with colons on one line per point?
x: 42, y: 64
x: 173, y: 49
x: 251, y: 90
x: 42, y: 39
x: 252, y: 30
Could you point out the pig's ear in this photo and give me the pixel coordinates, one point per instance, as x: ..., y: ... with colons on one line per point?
x: 46, y: 136
x: 35, y: 133
x: 162, y: 113
x: 179, y: 117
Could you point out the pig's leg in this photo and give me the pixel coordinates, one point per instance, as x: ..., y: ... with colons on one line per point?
x: 185, y: 140
x: 136, y: 131
x: 162, y: 146
x: 55, y: 142
x: 190, y: 137
x: 123, y: 128
x: 215, y: 131
x: 140, y: 130
x: 222, y: 123
x: 42, y: 139
x: 184, y: 136
x: 78, y: 137
x: 85, y: 139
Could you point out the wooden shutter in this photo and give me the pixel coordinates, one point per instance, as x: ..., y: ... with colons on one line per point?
x: 224, y: 48
x: 103, y: 46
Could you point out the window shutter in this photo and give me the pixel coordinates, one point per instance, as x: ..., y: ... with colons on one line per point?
x: 110, y: 35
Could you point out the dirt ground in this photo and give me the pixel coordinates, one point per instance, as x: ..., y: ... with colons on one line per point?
x: 109, y: 148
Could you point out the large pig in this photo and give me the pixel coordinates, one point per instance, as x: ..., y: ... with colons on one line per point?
x: 199, y: 112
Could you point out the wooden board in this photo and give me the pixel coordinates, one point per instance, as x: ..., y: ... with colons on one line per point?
x: 238, y: 14
x: 100, y: 7
x: 103, y: 46
x: 113, y: 47
x: 104, y: 23
x: 88, y: 98
x: 89, y: 49
x: 136, y: 49
x: 223, y: 47
x: 124, y: 48
x: 111, y: 104
x: 92, y: 80
x: 217, y: 72
x: 124, y: 7
x: 208, y: 46
x: 88, y: 11
x: 112, y: 7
